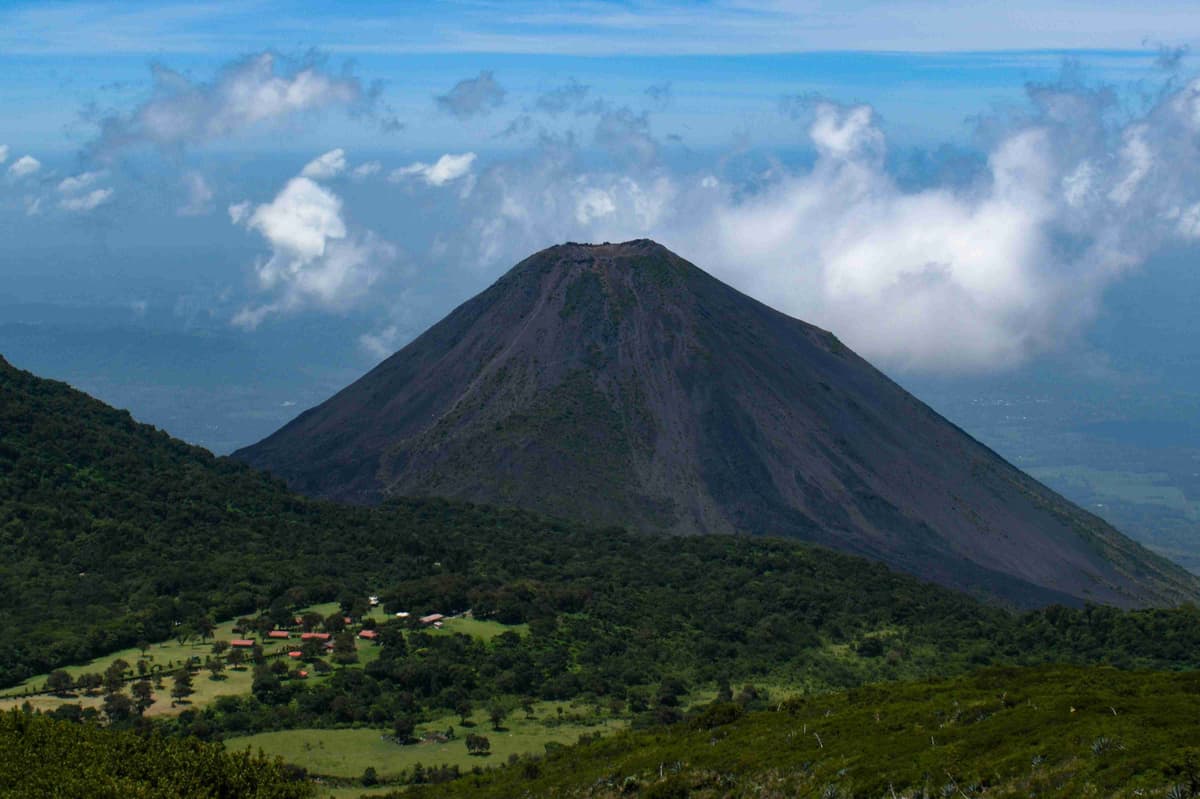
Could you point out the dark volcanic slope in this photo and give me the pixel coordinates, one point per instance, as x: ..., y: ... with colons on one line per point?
x: 619, y: 384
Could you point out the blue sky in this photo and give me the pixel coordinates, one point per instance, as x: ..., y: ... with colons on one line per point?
x: 955, y: 189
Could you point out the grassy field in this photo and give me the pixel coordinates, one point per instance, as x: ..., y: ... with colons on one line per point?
x: 169, y: 655
x: 347, y: 753
x: 477, y: 628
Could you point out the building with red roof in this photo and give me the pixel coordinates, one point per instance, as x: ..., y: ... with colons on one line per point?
x: 242, y: 643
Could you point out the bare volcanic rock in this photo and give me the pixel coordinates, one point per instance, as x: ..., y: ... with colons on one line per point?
x: 619, y: 384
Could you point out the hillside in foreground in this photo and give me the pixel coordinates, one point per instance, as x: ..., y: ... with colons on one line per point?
x: 618, y: 384
x: 1046, y: 732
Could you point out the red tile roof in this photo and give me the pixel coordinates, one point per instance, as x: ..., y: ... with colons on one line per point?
x: 242, y: 642
x: 278, y: 634
x: 370, y: 635
x: 314, y: 636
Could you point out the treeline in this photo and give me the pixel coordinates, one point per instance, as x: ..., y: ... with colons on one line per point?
x: 42, y: 757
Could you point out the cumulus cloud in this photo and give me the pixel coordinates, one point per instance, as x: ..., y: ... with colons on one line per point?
x: 316, y: 259
x: 24, y: 166
x: 79, y: 193
x: 369, y: 169
x: 88, y: 201
x: 259, y: 91
x: 472, y: 96
x: 946, y: 275
x: 77, y: 183
x: 323, y: 167
x: 446, y: 169
x: 198, y: 195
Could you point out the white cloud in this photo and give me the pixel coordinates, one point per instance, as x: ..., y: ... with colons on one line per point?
x: 198, y: 195
x: 326, y: 166
x: 259, y: 91
x: 974, y: 275
x: 3, y: 153
x: 369, y: 169
x: 238, y: 212
x: 381, y: 343
x: 315, y: 258
x: 76, y: 183
x: 446, y: 169
x: 83, y: 203
x: 24, y: 166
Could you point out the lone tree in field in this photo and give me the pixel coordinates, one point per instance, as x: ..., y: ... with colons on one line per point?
x: 478, y: 744
x: 497, y: 712
x: 236, y: 659
x: 404, y: 727
x: 181, y: 687
x: 215, y: 666
x: 60, y: 682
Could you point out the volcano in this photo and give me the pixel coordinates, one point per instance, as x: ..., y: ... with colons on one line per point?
x: 618, y: 384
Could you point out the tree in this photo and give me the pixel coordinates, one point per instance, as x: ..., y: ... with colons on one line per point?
x: 219, y: 647
x: 403, y: 727
x: 369, y: 777
x: 60, y: 682
x: 335, y: 623
x: 463, y: 709
x: 478, y: 744
x: 206, y: 627
x: 181, y: 687
x: 143, y: 696
x: 310, y: 621
x: 117, y: 707
x: 344, y: 650
x: 90, y: 682
x: 215, y: 666
x: 497, y: 712
x: 391, y: 638
x: 114, y: 676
